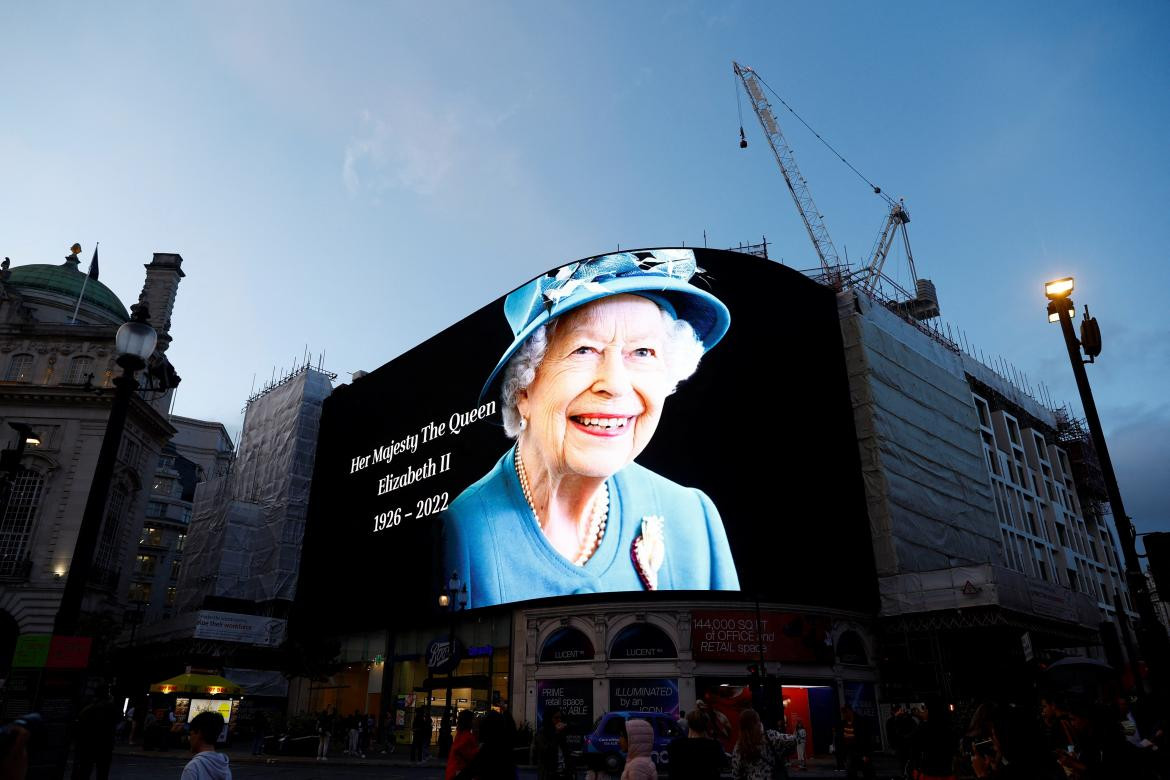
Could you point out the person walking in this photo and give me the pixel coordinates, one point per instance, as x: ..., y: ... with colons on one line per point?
x: 420, y: 729
x: 695, y: 755
x: 324, y: 734
x: 550, y: 745
x: 932, y: 746
x: 206, y: 763
x: 639, y: 744
x: 464, y: 748
x: 96, y: 731
x: 758, y: 754
x: 494, y: 759
x: 259, y: 725
x: 801, y: 735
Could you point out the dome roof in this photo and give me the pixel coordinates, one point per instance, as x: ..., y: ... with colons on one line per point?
x: 66, y: 279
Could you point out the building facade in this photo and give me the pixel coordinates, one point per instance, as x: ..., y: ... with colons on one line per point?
x: 57, y: 328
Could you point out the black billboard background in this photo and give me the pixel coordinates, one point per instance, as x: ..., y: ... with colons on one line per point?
x: 764, y: 427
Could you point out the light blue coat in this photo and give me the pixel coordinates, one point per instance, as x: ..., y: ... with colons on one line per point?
x: 492, y: 540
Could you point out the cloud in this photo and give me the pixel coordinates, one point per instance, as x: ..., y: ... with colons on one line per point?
x: 412, y: 149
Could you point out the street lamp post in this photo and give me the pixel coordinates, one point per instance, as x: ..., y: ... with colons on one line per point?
x: 454, y: 599
x: 1151, y: 637
x: 134, y: 343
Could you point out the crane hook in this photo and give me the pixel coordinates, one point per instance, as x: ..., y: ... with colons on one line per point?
x: 742, y: 138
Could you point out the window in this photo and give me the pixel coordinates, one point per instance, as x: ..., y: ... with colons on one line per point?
x: 151, y: 535
x: 80, y: 369
x: 156, y: 509
x: 19, y: 369
x: 176, y: 566
x: 179, y: 542
x: 130, y: 450
x: 186, y: 518
x: 140, y: 592
x: 107, y: 549
x: 166, y: 462
x: 170, y: 600
x: 146, y: 564
x: 17, y: 521
x: 163, y: 486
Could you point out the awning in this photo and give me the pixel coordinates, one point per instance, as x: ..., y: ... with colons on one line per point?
x: 197, y: 683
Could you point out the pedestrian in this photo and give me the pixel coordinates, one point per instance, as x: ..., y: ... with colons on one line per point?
x: 96, y: 731
x: 858, y: 741
x: 695, y: 755
x: 355, y: 722
x: 206, y: 763
x: 801, y: 735
x: 324, y: 734
x: 259, y: 725
x: 420, y: 734
x: 550, y: 745
x: 464, y: 748
x: 493, y: 760
x: 758, y: 754
x: 932, y: 747
x: 638, y: 743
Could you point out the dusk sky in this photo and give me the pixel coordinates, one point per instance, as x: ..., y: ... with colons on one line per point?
x: 354, y: 177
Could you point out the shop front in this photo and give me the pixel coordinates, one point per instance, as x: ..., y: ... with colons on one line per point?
x: 793, y: 666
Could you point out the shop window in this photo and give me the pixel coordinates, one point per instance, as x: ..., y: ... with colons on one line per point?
x: 642, y: 642
x: 567, y: 644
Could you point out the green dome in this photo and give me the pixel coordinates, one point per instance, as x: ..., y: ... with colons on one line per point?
x: 67, y: 279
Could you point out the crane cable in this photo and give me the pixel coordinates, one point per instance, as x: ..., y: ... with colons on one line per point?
x: 739, y: 111
x: 876, y: 189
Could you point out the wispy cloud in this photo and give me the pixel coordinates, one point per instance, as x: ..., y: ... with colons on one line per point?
x: 413, y: 151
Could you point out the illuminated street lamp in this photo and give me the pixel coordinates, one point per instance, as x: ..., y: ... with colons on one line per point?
x: 1151, y: 636
x: 134, y: 343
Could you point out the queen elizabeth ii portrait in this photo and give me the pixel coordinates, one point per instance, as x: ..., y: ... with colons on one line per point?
x: 598, y: 347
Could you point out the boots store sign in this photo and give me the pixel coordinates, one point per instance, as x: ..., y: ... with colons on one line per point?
x: 443, y: 655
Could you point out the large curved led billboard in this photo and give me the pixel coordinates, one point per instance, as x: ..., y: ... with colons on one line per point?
x: 640, y: 422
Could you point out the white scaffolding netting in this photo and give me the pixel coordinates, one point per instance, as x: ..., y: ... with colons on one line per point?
x: 244, y: 540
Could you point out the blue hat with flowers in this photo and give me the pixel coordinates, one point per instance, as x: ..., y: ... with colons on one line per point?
x: 662, y: 275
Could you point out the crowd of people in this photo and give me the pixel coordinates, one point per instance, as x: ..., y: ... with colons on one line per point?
x: 1063, y: 737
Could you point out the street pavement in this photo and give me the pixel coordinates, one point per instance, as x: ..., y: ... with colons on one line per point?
x: 134, y: 764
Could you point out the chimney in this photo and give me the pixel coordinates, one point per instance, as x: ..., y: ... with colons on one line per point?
x: 158, y: 293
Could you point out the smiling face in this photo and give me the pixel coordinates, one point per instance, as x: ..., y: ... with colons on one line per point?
x: 598, y: 394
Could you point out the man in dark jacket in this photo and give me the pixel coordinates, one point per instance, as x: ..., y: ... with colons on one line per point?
x: 695, y: 755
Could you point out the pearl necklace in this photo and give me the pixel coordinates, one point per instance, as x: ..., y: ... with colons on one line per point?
x: 590, y: 539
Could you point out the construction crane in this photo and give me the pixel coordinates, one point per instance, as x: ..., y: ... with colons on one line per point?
x: 814, y: 223
x: 922, y: 302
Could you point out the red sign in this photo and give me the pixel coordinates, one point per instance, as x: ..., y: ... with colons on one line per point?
x: 789, y: 637
x: 69, y: 652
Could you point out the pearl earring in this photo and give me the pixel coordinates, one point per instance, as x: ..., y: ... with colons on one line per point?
x: 523, y: 424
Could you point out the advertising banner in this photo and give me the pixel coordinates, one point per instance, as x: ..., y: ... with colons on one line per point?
x: 630, y: 694
x: 574, y: 699
x: 629, y: 422
x: 790, y: 637
x: 234, y: 627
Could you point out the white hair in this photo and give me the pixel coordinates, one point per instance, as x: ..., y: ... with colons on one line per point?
x: 683, y: 350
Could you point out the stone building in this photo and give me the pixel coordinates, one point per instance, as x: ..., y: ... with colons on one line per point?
x: 57, y: 327
x: 199, y: 451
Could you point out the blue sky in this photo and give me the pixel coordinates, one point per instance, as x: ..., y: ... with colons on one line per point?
x: 356, y: 176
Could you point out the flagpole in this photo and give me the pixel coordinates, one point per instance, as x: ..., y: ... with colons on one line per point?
x: 84, y: 282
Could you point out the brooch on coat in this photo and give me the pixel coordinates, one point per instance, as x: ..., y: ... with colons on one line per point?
x: 649, y: 550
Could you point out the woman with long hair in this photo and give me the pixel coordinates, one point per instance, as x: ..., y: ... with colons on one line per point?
x: 759, y: 753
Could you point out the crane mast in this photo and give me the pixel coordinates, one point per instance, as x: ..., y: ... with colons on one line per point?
x: 831, y: 265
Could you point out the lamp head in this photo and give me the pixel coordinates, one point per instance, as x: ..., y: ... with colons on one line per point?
x: 1058, y: 288
x: 444, y: 600
x: 137, y: 337
x: 1055, y: 305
